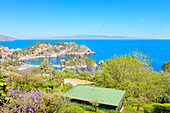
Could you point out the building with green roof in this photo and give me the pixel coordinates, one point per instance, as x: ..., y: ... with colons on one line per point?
x: 109, y: 98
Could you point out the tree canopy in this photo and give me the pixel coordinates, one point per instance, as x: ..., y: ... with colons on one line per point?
x: 133, y: 74
x: 166, y: 73
x: 45, y: 66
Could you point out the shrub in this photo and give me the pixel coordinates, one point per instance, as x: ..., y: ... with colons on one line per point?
x: 161, y: 108
x: 132, y: 108
x: 69, y: 71
x: 35, y: 101
x: 3, y: 89
x: 149, y: 108
x: 85, y: 74
x: 25, y: 82
x: 67, y: 86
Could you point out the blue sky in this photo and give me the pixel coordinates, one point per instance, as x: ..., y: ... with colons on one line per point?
x: 48, y: 18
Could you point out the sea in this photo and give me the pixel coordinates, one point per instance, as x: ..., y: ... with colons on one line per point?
x: 158, y: 51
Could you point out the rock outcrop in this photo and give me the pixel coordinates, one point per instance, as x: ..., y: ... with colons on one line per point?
x: 101, y: 62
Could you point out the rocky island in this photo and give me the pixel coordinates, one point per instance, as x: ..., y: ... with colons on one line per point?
x: 45, y: 49
x: 79, y: 62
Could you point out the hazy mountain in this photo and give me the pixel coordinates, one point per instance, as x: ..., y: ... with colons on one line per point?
x: 6, y: 38
x: 93, y: 37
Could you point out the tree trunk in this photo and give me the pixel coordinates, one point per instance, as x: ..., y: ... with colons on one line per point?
x: 137, y: 109
x: 95, y: 109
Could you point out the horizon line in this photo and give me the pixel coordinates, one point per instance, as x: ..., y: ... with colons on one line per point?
x: 93, y: 38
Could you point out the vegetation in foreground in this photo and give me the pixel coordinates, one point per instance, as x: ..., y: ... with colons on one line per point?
x: 146, y: 90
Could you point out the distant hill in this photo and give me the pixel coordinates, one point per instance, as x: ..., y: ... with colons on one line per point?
x: 93, y: 37
x: 6, y: 38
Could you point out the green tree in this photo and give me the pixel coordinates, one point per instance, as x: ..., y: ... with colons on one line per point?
x: 72, y: 63
x: 95, y: 103
x: 166, y: 67
x: 133, y: 74
x: 0, y: 56
x: 89, y: 63
x: 52, y: 82
x: 166, y: 73
x: 45, y: 66
x: 67, y: 87
x: 85, y: 75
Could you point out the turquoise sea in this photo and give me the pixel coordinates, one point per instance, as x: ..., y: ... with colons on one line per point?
x: 157, y: 50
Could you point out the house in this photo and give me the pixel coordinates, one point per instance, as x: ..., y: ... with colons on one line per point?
x: 108, y: 98
x: 75, y: 82
x: 6, y: 48
x: 18, y: 49
x: 2, y: 47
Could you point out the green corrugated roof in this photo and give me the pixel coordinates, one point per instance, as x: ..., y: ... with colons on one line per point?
x: 103, y: 95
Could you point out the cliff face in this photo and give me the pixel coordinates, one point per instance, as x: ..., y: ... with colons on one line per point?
x: 6, y: 38
x: 45, y: 49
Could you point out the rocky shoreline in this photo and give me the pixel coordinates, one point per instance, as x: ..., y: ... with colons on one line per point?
x: 46, y: 50
x: 52, y: 56
x: 43, y: 49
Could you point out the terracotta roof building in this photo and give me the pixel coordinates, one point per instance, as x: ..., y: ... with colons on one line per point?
x: 75, y: 82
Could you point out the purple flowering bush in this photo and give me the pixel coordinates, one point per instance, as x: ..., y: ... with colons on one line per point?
x: 35, y: 101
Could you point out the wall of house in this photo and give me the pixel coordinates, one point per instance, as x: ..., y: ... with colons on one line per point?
x: 120, y: 105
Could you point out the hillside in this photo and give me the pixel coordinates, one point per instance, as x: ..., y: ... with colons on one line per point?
x: 6, y: 38
x: 45, y: 49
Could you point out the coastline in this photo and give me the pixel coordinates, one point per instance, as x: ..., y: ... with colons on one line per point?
x: 107, y: 48
x: 54, y: 55
x: 25, y: 66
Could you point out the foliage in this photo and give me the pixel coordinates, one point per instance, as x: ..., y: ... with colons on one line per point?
x: 166, y: 67
x: 67, y: 75
x: 35, y: 101
x: 85, y: 75
x: 76, y: 61
x: 27, y: 71
x: 69, y: 71
x: 13, y: 63
x: 166, y: 73
x: 95, y: 103
x: 79, y: 62
x: 83, y: 108
x: 149, y: 108
x: 45, y: 66
x: 133, y: 74
x: 131, y: 108
x: 67, y: 87
x: 55, y: 102
x: 89, y: 63
x: 15, y: 54
x: 3, y: 89
x: 25, y: 82
x: 29, y: 82
x: 0, y: 56
x: 11, y: 68
x: 52, y: 82
x: 161, y: 108
x: 72, y: 63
